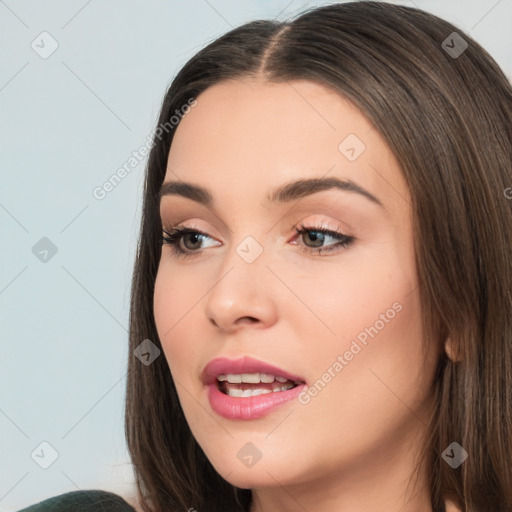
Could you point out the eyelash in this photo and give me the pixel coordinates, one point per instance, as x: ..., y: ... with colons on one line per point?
x: 174, y: 235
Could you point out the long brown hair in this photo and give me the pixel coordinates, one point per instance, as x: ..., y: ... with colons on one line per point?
x: 447, y: 117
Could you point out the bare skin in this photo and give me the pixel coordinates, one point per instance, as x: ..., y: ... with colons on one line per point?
x: 354, y: 445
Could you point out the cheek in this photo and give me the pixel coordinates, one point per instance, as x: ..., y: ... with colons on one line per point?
x: 177, y: 291
x: 379, y: 385
x: 361, y: 289
x: 383, y: 362
x: 370, y: 315
x: 185, y: 346
x: 175, y: 296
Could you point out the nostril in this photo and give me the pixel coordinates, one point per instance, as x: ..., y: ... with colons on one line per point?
x: 247, y: 319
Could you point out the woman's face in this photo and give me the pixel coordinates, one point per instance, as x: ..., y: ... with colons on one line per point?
x: 344, y: 323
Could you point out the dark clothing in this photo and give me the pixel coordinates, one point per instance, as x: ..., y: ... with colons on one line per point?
x: 82, y: 501
x: 92, y: 501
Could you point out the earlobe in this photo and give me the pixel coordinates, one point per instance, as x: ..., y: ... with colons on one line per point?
x: 450, y: 350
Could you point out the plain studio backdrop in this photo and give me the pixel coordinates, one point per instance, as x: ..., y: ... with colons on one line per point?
x: 80, y: 87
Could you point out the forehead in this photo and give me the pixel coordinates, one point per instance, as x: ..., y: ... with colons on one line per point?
x: 253, y: 135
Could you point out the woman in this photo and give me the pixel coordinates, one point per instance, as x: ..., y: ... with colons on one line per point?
x: 320, y: 315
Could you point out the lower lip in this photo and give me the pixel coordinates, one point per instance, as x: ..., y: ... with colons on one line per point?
x: 250, y: 407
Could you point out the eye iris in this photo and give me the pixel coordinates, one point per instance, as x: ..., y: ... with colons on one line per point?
x: 317, y: 238
x: 196, y: 235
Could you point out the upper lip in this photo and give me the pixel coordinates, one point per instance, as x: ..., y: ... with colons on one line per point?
x: 246, y: 364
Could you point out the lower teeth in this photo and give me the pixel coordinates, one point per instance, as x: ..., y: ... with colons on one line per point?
x: 239, y: 393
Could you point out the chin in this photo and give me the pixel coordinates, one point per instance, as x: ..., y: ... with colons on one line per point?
x: 246, y: 474
x: 252, y: 478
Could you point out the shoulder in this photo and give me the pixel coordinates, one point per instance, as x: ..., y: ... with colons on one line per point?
x: 82, y: 501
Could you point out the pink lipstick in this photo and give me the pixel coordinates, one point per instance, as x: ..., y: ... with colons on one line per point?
x: 246, y: 388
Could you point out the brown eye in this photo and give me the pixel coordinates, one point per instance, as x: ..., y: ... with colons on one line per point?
x: 174, y: 237
x: 318, y: 235
x: 317, y: 238
x: 194, y: 237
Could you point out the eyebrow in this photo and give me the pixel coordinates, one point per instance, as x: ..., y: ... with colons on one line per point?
x: 283, y: 194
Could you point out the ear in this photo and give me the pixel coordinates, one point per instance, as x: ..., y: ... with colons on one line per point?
x: 451, y: 351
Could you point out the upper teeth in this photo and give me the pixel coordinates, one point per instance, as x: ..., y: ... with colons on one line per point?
x: 250, y: 378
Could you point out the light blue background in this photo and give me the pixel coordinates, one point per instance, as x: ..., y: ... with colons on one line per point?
x: 67, y: 123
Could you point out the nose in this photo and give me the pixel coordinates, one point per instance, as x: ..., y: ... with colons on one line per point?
x: 242, y: 294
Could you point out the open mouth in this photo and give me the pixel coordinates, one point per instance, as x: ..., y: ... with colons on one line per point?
x: 253, y: 384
